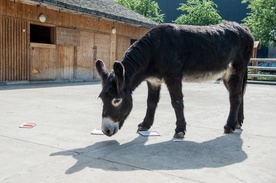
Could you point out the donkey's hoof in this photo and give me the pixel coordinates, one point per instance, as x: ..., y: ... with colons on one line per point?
x: 228, y: 129
x: 141, y: 128
x: 238, y: 126
x: 179, y: 135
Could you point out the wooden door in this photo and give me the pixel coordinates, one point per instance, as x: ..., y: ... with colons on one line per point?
x: 85, y: 54
x: 14, y: 60
x: 65, y: 62
x: 43, y: 61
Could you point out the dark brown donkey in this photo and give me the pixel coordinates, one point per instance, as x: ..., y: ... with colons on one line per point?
x: 171, y: 54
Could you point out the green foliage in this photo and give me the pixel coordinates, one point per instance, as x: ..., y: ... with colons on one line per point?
x: 262, y: 20
x: 199, y: 12
x: 147, y: 8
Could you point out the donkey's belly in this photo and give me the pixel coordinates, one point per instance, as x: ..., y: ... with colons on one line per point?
x: 199, y: 77
x: 205, y: 76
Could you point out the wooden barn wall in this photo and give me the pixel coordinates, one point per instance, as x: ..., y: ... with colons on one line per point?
x: 103, y: 45
x: 123, y: 44
x: 14, y: 63
x: 79, y: 41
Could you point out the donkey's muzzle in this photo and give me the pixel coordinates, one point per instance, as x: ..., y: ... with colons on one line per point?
x: 109, y: 127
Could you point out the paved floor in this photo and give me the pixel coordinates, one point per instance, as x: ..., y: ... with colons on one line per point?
x: 61, y: 148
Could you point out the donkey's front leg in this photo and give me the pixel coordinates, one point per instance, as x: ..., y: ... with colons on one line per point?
x: 152, y: 101
x: 175, y: 89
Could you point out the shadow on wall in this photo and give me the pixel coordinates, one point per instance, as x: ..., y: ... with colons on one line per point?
x: 136, y: 155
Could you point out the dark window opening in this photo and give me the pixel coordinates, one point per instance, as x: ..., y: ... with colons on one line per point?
x: 132, y: 41
x: 42, y: 34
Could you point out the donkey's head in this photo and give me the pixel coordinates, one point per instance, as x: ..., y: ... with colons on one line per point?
x: 117, y: 99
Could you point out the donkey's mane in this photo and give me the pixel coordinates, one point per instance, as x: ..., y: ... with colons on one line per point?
x: 137, y: 58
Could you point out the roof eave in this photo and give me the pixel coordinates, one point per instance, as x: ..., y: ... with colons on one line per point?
x: 89, y: 12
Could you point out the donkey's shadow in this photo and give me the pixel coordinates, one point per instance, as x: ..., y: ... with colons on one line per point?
x: 136, y: 154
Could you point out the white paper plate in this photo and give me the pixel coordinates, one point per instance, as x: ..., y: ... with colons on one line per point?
x: 97, y: 131
x: 149, y: 133
x: 177, y: 140
x: 27, y: 125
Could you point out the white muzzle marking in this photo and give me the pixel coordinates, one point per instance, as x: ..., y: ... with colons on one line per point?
x: 109, y: 127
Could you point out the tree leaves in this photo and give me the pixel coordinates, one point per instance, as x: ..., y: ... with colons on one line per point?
x: 262, y: 20
x: 199, y: 12
x: 147, y: 8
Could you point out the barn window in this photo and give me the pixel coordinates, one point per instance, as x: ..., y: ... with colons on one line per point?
x: 42, y: 34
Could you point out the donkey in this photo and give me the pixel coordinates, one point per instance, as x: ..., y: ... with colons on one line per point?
x: 171, y: 54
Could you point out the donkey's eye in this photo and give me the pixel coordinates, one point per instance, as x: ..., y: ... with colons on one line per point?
x: 116, y: 102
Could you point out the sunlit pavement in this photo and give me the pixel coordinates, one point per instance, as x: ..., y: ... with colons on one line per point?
x: 60, y: 148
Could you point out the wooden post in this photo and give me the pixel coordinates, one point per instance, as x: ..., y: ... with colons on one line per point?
x: 94, y: 61
x: 257, y: 46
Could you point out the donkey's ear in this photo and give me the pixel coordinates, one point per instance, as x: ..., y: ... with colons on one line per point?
x: 119, y: 71
x: 103, y: 72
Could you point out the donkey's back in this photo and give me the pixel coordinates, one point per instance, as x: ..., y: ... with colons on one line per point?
x: 200, y: 52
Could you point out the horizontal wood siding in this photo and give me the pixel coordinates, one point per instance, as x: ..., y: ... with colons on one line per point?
x: 14, y: 64
x: 67, y: 36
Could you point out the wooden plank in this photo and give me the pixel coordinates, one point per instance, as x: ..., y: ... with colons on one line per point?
x: 68, y: 62
x: 42, y: 45
x: 67, y: 36
x: 25, y: 65
x: 59, y: 62
x: 7, y: 49
x: 262, y: 68
x: 105, y: 26
x: 13, y: 47
x: 4, y: 48
x: 85, y: 22
x: 20, y: 53
x: 262, y: 75
x: 262, y: 82
x: 1, y: 45
x: 263, y: 59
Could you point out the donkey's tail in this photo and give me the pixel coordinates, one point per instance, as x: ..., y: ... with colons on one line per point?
x: 244, y: 83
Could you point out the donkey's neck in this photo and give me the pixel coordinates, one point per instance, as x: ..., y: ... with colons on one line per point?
x: 136, y: 61
x: 133, y: 75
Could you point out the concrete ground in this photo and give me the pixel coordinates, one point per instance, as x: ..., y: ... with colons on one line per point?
x: 61, y: 148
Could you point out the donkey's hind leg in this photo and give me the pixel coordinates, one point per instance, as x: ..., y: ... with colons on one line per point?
x: 152, y: 101
x: 235, y: 84
x: 241, y: 113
